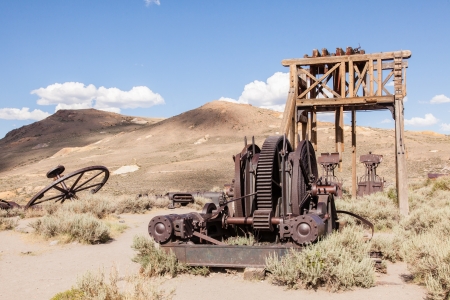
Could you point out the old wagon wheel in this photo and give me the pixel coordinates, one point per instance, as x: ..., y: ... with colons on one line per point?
x: 67, y: 186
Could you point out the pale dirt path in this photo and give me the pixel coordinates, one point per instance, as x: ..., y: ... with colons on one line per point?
x: 48, y: 270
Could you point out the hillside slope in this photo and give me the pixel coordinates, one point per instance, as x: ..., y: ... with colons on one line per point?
x: 65, y: 128
x: 193, y: 151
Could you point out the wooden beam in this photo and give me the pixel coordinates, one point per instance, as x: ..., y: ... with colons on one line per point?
x: 371, y: 77
x: 287, y: 115
x: 317, y: 81
x: 360, y: 77
x: 354, y: 179
x: 344, y: 58
x: 314, y: 128
x: 343, y: 80
x: 345, y: 101
x: 400, y: 155
x: 380, y: 78
x: 351, y: 79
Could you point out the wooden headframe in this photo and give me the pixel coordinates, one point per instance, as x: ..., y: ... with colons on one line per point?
x: 347, y: 81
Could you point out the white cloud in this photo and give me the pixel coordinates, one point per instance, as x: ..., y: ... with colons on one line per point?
x: 75, y: 95
x: 445, y: 127
x: 22, y: 114
x: 427, y: 121
x: 390, y: 83
x: 148, y: 2
x: 405, y: 99
x: 326, y: 117
x: 385, y: 121
x: 271, y: 94
x: 438, y: 99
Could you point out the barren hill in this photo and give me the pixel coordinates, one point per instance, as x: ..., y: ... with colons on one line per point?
x: 65, y: 128
x: 193, y: 150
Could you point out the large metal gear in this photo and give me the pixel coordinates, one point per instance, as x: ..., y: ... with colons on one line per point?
x: 268, y: 173
x: 304, y: 172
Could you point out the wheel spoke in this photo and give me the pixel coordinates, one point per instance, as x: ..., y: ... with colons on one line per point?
x: 60, y: 189
x: 76, y: 181
x: 78, y: 189
x: 51, y: 198
x: 87, y: 187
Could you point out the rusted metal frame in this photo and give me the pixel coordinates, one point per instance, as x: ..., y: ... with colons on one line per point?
x: 227, y: 256
x: 207, y: 238
x: 318, y: 81
x: 344, y: 58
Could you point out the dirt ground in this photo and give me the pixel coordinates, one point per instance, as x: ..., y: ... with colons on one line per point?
x: 31, y: 268
x: 189, y: 152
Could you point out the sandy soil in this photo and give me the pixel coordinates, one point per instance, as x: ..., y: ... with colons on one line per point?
x: 31, y: 268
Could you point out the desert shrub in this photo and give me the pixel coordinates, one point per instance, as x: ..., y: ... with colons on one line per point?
x: 8, y: 223
x: 428, y: 258
x: 130, y: 204
x: 426, y: 219
x: 241, y: 240
x: 199, y: 202
x: 377, y: 208
x: 79, y: 227
x: 389, y: 245
x: 9, y: 218
x: 155, y: 261
x: 338, y: 262
x: 95, y: 286
x: 99, y: 207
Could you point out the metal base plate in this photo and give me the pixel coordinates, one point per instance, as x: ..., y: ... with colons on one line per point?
x: 226, y: 256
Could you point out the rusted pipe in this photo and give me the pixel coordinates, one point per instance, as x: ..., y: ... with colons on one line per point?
x: 248, y: 220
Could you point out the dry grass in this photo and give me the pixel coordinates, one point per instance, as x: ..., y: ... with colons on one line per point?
x: 95, y: 286
x: 9, y: 218
x: 379, y: 208
x: 83, y: 227
x: 156, y: 262
x: 199, y: 202
x: 338, y: 262
x: 241, y: 240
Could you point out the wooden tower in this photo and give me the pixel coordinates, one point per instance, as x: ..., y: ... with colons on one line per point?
x: 348, y: 81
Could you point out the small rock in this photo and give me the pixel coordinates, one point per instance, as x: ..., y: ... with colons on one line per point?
x: 53, y: 243
x: 254, y: 274
x: 121, y: 221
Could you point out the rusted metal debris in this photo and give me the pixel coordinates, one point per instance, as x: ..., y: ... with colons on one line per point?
x: 436, y: 175
x: 66, y: 187
x: 329, y: 162
x: 276, y: 196
x: 184, y: 198
x: 370, y: 182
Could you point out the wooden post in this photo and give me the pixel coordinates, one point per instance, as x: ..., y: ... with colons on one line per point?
x: 354, y: 180
x: 400, y: 151
x: 314, y: 128
x: 371, y: 77
x: 380, y: 78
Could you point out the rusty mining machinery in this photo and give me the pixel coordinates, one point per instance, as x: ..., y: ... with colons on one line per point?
x: 65, y: 186
x: 276, y: 195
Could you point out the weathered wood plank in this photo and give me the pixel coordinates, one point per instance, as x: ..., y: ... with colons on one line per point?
x: 317, y: 81
x: 345, y: 101
x: 354, y: 179
x: 344, y: 58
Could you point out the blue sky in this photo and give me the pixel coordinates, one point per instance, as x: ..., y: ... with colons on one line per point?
x: 160, y: 58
